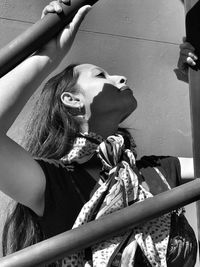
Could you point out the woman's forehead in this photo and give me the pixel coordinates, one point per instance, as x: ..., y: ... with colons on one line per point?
x: 86, y: 68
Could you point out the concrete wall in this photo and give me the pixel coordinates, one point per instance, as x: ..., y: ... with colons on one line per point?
x: 139, y: 39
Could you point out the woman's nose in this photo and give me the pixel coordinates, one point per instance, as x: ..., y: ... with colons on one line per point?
x: 119, y: 80
x: 123, y: 80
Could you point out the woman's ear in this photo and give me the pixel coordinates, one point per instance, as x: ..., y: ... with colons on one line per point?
x: 70, y: 100
x: 74, y: 103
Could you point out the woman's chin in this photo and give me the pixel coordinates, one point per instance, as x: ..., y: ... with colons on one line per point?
x: 131, y: 107
x: 129, y: 112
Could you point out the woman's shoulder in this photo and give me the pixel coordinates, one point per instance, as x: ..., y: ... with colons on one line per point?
x: 156, y: 160
x: 168, y: 165
x: 57, y: 175
x: 49, y: 162
x: 65, y: 188
x: 61, y: 178
x: 53, y: 165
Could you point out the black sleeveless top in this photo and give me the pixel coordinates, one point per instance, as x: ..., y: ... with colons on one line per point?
x: 67, y: 191
x: 65, y: 194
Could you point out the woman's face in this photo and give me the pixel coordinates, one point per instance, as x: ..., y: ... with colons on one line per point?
x: 104, y: 94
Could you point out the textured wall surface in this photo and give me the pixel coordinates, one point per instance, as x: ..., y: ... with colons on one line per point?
x: 139, y: 39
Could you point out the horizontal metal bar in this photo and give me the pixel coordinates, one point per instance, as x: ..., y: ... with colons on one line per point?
x: 64, y: 244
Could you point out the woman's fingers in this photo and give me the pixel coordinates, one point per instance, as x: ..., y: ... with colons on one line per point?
x: 68, y: 34
x: 184, y: 62
x: 54, y: 7
x: 64, y: 40
x: 190, y: 60
x: 192, y: 55
x: 187, y: 58
x: 187, y: 55
x: 79, y: 17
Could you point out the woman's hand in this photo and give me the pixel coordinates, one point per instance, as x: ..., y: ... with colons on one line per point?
x: 187, y: 58
x: 61, y: 44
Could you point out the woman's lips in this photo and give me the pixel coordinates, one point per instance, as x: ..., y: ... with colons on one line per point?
x: 123, y: 88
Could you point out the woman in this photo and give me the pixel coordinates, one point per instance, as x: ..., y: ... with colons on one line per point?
x: 73, y: 165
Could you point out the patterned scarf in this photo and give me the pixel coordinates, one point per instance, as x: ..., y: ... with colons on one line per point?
x: 121, y: 189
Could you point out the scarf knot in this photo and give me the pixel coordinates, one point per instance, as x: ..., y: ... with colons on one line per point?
x: 112, y: 152
x: 119, y: 190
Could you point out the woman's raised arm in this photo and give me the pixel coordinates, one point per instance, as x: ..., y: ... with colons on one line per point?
x: 18, y: 85
x: 21, y: 177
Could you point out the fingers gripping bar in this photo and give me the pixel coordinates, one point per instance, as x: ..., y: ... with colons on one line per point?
x: 37, y: 35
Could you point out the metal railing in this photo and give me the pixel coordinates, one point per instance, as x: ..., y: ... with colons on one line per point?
x: 37, y: 35
x: 74, y: 240
x: 192, y: 8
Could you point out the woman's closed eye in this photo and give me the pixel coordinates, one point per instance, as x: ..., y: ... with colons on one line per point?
x: 101, y: 75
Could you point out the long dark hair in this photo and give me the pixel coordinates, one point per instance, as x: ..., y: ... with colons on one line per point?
x: 50, y: 134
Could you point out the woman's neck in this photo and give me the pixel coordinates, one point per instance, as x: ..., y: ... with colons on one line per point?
x: 103, y: 127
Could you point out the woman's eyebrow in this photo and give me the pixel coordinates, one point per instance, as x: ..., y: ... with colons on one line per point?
x: 98, y: 69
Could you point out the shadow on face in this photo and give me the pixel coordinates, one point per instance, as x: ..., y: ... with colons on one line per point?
x: 112, y: 104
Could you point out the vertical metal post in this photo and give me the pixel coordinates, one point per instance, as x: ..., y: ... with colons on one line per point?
x: 192, y: 8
